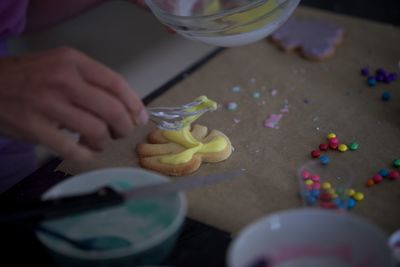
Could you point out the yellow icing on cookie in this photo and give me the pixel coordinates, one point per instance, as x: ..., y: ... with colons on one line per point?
x: 184, y: 137
x: 204, y: 104
x: 217, y: 144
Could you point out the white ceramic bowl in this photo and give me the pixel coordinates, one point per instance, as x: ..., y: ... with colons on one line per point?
x: 151, y: 225
x: 310, y: 238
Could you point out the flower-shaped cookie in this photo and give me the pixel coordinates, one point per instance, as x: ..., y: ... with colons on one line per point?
x: 163, y: 155
x: 314, y: 39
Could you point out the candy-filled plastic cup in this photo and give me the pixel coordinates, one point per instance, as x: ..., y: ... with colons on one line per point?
x: 327, y: 186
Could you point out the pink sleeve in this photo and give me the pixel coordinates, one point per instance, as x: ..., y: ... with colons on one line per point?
x: 12, y: 20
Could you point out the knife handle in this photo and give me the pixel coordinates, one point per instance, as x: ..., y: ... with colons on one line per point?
x: 34, y: 211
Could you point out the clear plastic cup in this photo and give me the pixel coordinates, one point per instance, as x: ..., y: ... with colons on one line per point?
x: 326, y: 186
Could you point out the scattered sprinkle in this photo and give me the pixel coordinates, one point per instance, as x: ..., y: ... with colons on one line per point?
x: 272, y: 121
x: 232, y: 106
x: 365, y: 71
x: 285, y: 108
x: 371, y: 81
x: 274, y: 92
x: 235, y: 120
x: 256, y: 94
x: 236, y: 89
x: 306, y: 101
x: 380, y: 75
x: 386, y: 96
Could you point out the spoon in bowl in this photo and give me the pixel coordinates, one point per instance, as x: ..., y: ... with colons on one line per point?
x: 100, y: 243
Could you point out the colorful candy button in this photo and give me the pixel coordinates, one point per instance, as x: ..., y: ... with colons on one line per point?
x: 308, y: 182
x: 396, y: 163
x: 330, y: 136
x: 351, y: 203
x: 342, y: 148
x: 358, y: 196
x: 326, y: 185
x: 394, y: 175
x: 316, y: 185
x: 315, y: 177
x: 386, y: 96
x: 334, y: 140
x: 324, y: 160
x: 370, y: 182
x: 331, y: 191
x: 315, y: 153
x: 305, y: 174
x: 377, y: 178
x: 351, y: 192
x: 383, y: 172
x: 371, y: 81
x: 323, y: 147
x: 364, y: 71
x: 333, y: 146
x: 325, y: 197
x: 353, y: 146
x: 315, y: 193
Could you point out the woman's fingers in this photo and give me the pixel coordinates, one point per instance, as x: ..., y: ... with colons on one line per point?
x: 63, y: 88
x: 78, y: 120
x: 102, y: 77
x: 48, y: 134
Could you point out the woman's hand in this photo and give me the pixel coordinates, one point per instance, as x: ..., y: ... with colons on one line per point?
x: 42, y: 93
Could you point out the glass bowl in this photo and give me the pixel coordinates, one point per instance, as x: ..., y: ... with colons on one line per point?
x: 223, y: 22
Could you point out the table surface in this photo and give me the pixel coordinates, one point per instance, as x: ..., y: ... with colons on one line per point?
x: 322, y: 97
x: 194, y: 247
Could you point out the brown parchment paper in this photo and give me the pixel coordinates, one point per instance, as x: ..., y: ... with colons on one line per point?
x: 322, y: 97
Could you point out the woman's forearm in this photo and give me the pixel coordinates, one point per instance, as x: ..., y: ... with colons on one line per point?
x: 46, y: 13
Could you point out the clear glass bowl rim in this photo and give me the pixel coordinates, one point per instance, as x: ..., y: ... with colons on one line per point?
x: 232, y: 11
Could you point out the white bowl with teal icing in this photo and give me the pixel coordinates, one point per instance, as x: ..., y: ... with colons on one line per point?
x: 151, y: 225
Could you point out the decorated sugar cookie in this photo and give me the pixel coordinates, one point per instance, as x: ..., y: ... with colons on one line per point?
x: 314, y: 39
x: 180, y: 152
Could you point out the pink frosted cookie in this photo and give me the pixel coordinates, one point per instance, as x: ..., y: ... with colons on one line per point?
x: 314, y: 39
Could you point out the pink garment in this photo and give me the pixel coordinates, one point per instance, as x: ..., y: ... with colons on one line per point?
x: 17, y: 159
